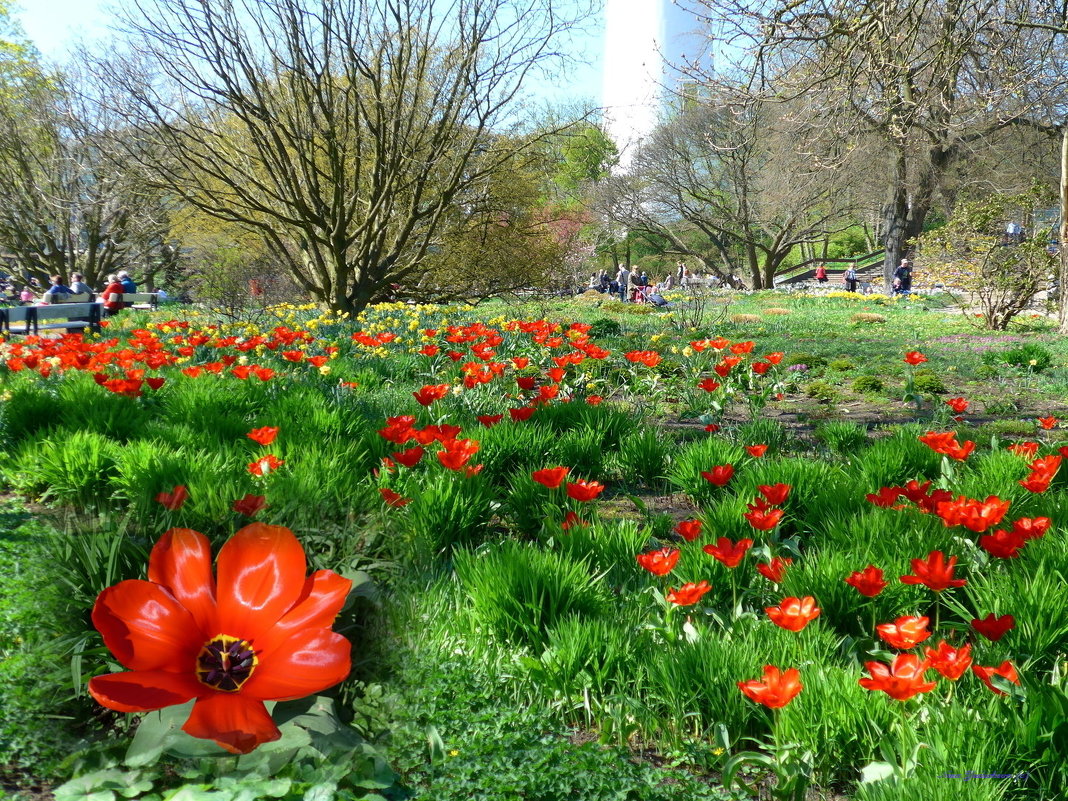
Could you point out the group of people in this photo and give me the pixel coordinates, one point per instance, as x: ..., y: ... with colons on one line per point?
x: 902, y: 279
x: 110, y: 297
x: 637, y: 287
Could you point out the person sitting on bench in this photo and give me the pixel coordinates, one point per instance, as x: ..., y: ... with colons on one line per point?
x: 57, y: 288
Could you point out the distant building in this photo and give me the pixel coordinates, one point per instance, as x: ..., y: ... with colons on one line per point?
x: 643, y: 38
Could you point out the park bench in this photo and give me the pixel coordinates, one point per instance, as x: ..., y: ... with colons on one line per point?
x: 141, y: 300
x: 68, y: 317
x: 87, y: 297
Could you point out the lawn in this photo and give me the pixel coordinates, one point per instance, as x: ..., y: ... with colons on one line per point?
x: 811, y: 547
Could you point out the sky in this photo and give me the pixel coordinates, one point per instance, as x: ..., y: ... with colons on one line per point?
x: 56, y: 25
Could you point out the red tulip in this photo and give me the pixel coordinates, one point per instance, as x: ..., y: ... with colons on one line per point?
x: 709, y: 385
x: 551, y: 477
x: 174, y: 499
x: 727, y: 552
x: 775, y: 570
x: 490, y: 420
x: 719, y: 475
x: 409, y: 457
x: 265, y: 465
x: 521, y: 414
x: 1003, y: 544
x: 776, y: 494
x: 776, y: 690
x: 155, y: 382
x: 1048, y: 422
x: 793, y: 614
x: 900, y: 680
x: 867, y: 582
x: 659, y: 562
x: 994, y: 628
x: 688, y: 594
x: 885, y: 497
x: 571, y: 520
x: 1032, y: 528
x: 392, y: 498
x: 978, y: 516
x: 250, y: 505
x: 934, y: 572
x: 950, y: 662
x: 582, y: 490
x: 457, y: 453
x: 689, y: 530
x: 905, y: 632
x: 261, y: 633
x: 914, y: 357
x: 763, y: 519
x: 756, y: 451
x: 431, y: 392
x: 1006, y: 670
x: 958, y: 405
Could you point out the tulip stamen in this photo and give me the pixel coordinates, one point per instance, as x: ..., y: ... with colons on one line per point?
x: 225, y: 663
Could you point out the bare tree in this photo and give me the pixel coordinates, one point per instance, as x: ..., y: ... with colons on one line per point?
x: 68, y: 206
x: 729, y: 174
x: 928, y: 79
x: 344, y: 132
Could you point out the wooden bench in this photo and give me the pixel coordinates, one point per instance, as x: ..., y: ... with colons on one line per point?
x: 87, y: 297
x: 66, y: 317
x: 141, y: 300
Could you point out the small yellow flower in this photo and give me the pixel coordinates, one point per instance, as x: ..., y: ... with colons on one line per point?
x: 324, y: 370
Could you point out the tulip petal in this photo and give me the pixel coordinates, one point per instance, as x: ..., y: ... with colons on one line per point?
x: 261, y: 575
x: 306, y: 663
x: 237, y: 723
x: 181, y: 562
x: 144, y: 690
x: 320, y: 601
x: 146, y: 628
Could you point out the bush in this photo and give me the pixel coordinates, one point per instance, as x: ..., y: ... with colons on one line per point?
x: 865, y: 384
x: 929, y: 382
x: 822, y: 391
x: 841, y: 365
x: 742, y: 319
x: 604, y: 327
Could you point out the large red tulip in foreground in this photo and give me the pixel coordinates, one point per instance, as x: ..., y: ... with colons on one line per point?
x: 262, y: 633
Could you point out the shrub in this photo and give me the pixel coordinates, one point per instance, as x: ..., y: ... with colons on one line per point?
x: 604, y: 327
x: 519, y: 591
x: 743, y: 319
x: 841, y: 365
x: 929, y: 382
x: 822, y: 391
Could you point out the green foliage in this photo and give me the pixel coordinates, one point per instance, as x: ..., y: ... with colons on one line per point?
x: 865, y: 384
x: 643, y: 458
x: 604, y: 327
x: 1030, y: 356
x: 448, y: 513
x: 519, y: 591
x: 822, y: 391
x: 929, y: 382
x: 811, y: 359
x: 841, y: 365
x: 842, y: 437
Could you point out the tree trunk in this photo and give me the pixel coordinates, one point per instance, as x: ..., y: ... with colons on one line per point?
x: 1062, y: 272
x: 895, y: 220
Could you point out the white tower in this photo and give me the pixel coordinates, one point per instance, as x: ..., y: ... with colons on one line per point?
x: 642, y: 38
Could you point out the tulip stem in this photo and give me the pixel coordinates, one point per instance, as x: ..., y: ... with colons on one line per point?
x: 903, y: 720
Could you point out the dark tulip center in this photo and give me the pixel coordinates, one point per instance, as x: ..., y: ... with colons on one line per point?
x: 225, y: 663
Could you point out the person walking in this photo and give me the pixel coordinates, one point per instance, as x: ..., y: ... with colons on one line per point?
x: 850, y: 278
x: 623, y: 281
